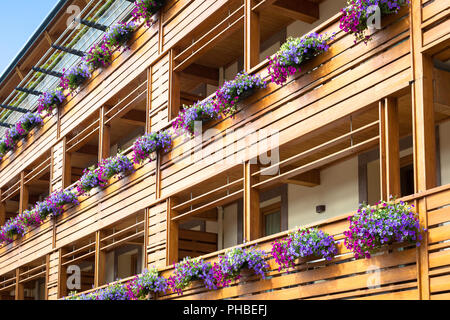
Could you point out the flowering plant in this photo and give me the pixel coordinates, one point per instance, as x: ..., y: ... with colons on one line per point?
x: 384, y: 224
x: 149, y: 143
x: 22, y: 127
x: 119, y: 34
x: 29, y: 121
x: 50, y: 100
x: 42, y: 209
x: 115, y: 166
x: 301, y: 244
x: 190, y: 270
x: 98, y: 56
x: 88, y: 181
x: 145, y: 283
x: 117, y: 291
x: 144, y: 9
x: 57, y: 200
x: 203, y: 111
x: 107, y: 168
x: 294, y: 52
x: 75, y: 77
x: 357, y: 13
x: 238, y: 89
x: 11, y: 228
x: 231, y: 264
x: 30, y: 218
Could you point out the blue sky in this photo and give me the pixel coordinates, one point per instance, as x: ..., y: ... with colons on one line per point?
x: 18, y: 21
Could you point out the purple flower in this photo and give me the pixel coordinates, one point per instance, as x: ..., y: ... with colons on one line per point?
x: 203, y: 111
x: 235, y: 90
x: 50, y: 100
x: 294, y: 52
x: 75, y: 77
x: 301, y: 244
x: 57, y: 200
x: 388, y: 222
x: 144, y: 9
x: 106, y: 169
x: 149, y: 143
x: 229, y: 267
x: 355, y: 16
x: 190, y: 270
x: 98, y: 56
x: 119, y: 34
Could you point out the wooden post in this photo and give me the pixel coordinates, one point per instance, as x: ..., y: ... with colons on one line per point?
x: 174, y: 87
x: 146, y: 236
x: 24, y: 194
x: 67, y: 163
x: 389, y: 149
x: 172, y: 234
x: 423, y: 107
x: 424, y: 139
x: 2, y: 209
x: 251, y: 36
x: 104, y: 144
x: 252, y: 216
x: 100, y: 258
x: 47, y: 274
x: 19, y: 291
x: 158, y: 176
x: 62, y: 274
x: 148, y: 108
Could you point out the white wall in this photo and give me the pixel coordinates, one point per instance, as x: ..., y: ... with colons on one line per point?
x: 230, y: 222
x: 444, y: 141
x: 338, y: 190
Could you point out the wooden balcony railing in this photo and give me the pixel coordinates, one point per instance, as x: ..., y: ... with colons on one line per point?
x: 393, y: 273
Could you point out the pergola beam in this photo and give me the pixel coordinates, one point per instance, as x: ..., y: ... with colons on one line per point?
x: 94, y: 25
x: 22, y: 110
x: 49, y: 72
x: 5, y: 125
x: 69, y: 50
x: 29, y: 91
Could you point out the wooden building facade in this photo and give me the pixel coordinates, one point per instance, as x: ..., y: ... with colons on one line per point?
x: 357, y: 124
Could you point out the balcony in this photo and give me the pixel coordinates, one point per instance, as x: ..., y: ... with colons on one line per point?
x: 327, y: 114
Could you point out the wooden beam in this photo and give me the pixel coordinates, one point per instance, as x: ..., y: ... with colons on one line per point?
x: 172, y: 234
x: 62, y: 274
x: 252, y: 216
x: 48, y: 37
x: 174, y: 87
x: 389, y: 149
x: 2, y: 209
x: 307, y: 179
x: 146, y: 236
x: 252, y: 36
x: 423, y: 107
x: 424, y: 139
x: 19, y: 290
x: 67, y: 165
x: 302, y: 10
x: 202, y: 74
x: 47, y: 275
x: 19, y: 73
x: 104, y: 144
x: 100, y: 259
x: 24, y: 194
x: 148, y: 106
